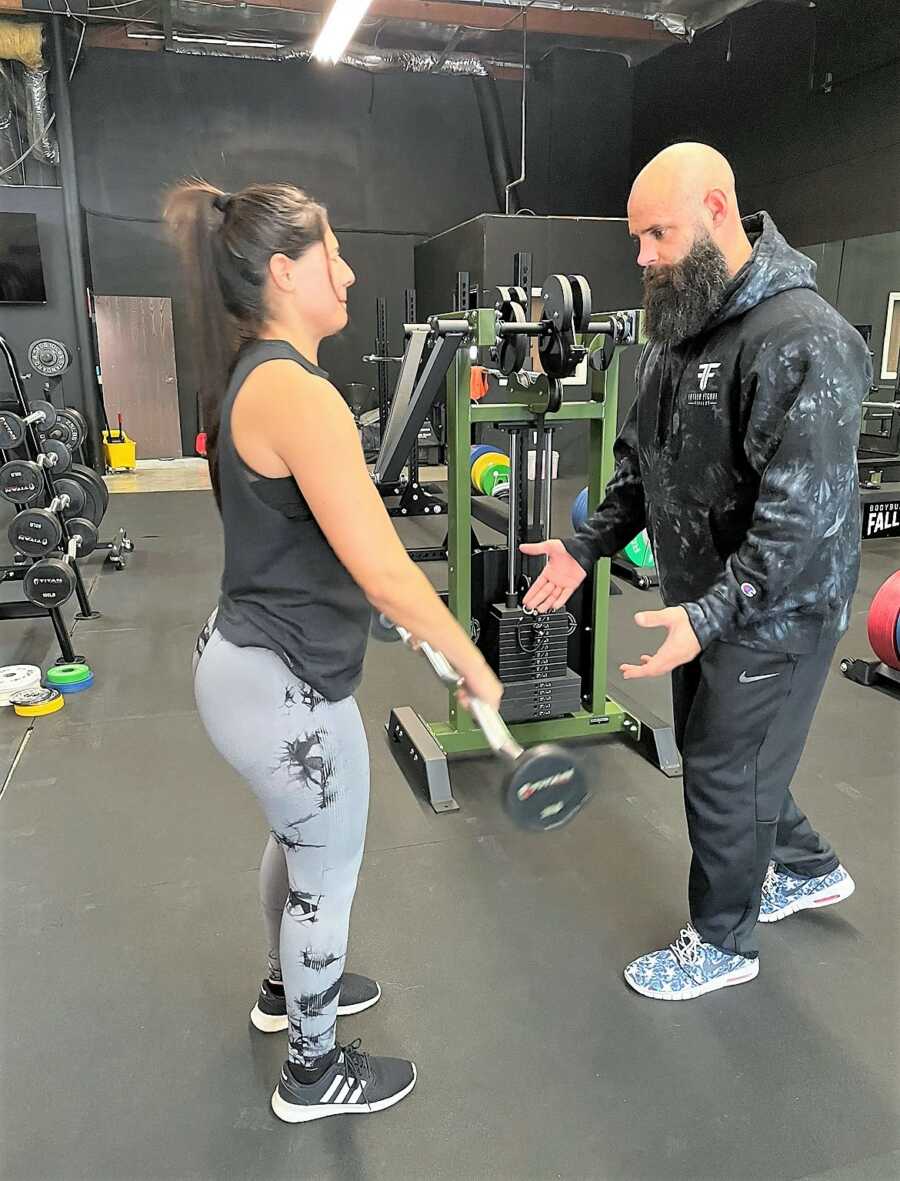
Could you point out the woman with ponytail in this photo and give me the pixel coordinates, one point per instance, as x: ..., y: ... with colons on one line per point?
x: 309, y: 551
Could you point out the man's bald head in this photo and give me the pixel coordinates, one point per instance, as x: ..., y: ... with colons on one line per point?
x: 685, y: 191
x: 683, y: 212
x: 685, y: 172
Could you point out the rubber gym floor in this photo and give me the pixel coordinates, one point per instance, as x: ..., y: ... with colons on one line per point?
x: 132, y: 942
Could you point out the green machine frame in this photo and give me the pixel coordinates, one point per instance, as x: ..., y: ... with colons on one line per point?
x: 421, y: 748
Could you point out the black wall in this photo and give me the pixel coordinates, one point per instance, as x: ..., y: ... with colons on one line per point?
x: 579, y: 114
x: 857, y: 276
x: 22, y: 324
x: 826, y: 165
x: 395, y: 158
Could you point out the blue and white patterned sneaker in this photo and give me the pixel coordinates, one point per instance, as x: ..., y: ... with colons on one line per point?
x: 688, y: 968
x: 784, y: 893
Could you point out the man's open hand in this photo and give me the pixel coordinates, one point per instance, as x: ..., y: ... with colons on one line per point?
x: 679, y: 647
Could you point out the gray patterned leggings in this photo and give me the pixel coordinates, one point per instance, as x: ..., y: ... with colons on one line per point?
x: 307, y: 762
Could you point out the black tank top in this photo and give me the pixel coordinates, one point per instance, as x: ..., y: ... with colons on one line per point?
x: 283, y: 587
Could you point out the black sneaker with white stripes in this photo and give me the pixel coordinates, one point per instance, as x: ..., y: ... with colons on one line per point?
x: 354, y: 1084
x: 269, y: 1014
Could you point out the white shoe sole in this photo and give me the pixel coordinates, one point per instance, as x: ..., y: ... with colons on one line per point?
x: 266, y: 1023
x: 296, y: 1113
x: 349, y: 1010
x: 740, y: 976
x: 826, y: 897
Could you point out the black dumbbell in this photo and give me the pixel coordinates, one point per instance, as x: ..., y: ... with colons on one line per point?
x: 51, y: 581
x: 42, y: 415
x: 21, y: 481
x: 544, y: 788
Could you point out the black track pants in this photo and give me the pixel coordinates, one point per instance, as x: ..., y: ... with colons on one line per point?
x: 741, y: 721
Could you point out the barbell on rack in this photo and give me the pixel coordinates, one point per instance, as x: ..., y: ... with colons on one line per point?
x: 542, y: 788
x: 566, y: 315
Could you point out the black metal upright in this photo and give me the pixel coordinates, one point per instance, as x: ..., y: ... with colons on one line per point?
x: 75, y: 242
x: 381, y: 368
x: 409, y: 317
x: 522, y: 275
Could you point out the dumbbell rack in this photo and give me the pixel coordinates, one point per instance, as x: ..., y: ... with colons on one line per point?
x: 18, y: 570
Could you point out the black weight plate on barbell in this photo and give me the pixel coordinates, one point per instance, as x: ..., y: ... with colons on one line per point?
x: 512, y: 351
x: 21, y: 481
x: 86, y: 532
x: 555, y: 347
x: 96, y: 493
x: 12, y: 431
x: 545, y: 789
x: 581, y: 295
x: 62, y: 454
x: 42, y: 426
x: 49, y: 583
x: 555, y: 351
x: 35, y: 532
x: 559, y: 303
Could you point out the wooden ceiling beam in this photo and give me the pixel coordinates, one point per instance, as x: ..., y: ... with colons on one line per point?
x: 489, y: 18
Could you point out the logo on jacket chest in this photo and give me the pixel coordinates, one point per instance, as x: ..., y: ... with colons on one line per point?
x: 707, y: 391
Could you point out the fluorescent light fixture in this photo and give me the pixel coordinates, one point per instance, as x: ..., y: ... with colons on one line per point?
x: 342, y: 23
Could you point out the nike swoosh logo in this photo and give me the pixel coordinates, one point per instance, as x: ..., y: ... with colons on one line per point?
x: 745, y: 680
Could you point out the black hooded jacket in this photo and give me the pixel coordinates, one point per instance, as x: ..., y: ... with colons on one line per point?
x: 739, y: 457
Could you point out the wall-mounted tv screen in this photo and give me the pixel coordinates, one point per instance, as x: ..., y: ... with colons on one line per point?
x: 21, y: 272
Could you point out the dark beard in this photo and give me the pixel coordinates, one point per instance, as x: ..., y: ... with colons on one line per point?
x: 679, y: 299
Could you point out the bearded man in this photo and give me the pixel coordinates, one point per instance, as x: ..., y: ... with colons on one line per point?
x: 739, y: 457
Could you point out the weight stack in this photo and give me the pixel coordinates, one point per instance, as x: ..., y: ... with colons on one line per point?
x: 529, y: 655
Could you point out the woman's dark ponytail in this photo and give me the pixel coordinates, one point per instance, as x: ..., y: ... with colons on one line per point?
x: 225, y: 242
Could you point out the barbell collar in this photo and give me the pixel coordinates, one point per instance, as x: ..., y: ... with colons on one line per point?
x: 450, y: 327
x: 602, y: 328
